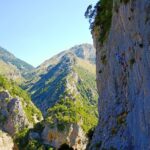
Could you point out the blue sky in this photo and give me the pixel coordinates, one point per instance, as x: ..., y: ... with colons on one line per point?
x: 35, y: 30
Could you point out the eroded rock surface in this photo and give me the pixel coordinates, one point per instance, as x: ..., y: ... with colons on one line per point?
x: 123, y: 79
x: 6, y: 142
x: 72, y: 135
x: 12, y: 115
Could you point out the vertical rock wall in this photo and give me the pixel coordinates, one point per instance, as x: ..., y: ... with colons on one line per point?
x: 123, y: 79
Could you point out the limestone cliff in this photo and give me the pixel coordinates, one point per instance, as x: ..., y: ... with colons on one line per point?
x: 73, y: 135
x: 123, y: 78
x: 12, y: 115
x: 6, y: 142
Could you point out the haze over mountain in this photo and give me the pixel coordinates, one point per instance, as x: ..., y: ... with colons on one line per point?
x: 12, y: 67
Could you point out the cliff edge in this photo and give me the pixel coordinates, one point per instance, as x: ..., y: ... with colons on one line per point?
x: 123, y: 75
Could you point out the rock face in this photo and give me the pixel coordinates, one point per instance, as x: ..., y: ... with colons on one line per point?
x: 12, y: 115
x: 17, y: 120
x: 123, y: 79
x: 73, y: 136
x: 84, y: 51
x: 6, y: 142
x: 16, y: 109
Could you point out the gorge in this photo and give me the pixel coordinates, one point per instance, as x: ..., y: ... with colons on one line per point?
x: 54, y: 106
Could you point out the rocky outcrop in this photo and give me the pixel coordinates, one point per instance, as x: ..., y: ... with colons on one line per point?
x: 6, y: 142
x: 12, y: 115
x: 123, y: 79
x: 84, y: 51
x: 17, y: 119
x: 72, y: 135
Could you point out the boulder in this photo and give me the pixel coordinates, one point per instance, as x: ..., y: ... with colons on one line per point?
x: 6, y: 142
x: 72, y: 135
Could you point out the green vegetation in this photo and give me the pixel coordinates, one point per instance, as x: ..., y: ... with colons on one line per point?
x: 10, y: 71
x: 46, y: 91
x: 76, y: 107
x: 38, y: 127
x: 100, y: 18
x: 132, y: 62
x: 124, y: 1
x: 24, y: 143
x: 97, y: 145
x: 37, y: 145
x: 16, y: 91
x: 68, y: 112
x: 68, y: 90
x: 114, y: 131
x: 87, y: 85
x: 121, y: 119
x: 13, y: 67
x: 21, y: 138
x: 3, y: 118
x: 63, y: 112
x: 104, y: 59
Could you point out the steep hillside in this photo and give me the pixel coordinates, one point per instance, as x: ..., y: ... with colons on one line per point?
x: 13, y: 67
x: 65, y: 91
x: 83, y: 51
x: 64, y: 72
x: 121, y: 33
x: 16, y: 109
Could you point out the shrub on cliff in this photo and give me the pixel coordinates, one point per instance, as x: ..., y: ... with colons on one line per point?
x: 100, y: 18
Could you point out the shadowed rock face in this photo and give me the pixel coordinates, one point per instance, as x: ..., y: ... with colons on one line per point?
x: 124, y: 80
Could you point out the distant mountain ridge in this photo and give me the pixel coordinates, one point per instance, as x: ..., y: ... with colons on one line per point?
x: 83, y: 51
x: 12, y: 67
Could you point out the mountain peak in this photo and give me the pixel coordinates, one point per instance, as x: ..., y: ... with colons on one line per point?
x: 84, y: 51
